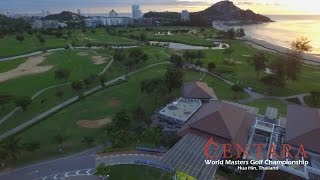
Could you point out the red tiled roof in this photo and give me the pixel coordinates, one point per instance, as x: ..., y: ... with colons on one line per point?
x: 303, y: 127
x: 223, y: 120
x: 198, y: 90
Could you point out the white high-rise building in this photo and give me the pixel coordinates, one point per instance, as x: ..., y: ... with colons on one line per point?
x: 136, y: 12
x: 185, y: 15
x: 45, y: 13
x: 79, y: 12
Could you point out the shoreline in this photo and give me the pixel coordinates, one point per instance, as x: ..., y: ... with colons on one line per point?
x: 311, y: 59
x: 266, y: 46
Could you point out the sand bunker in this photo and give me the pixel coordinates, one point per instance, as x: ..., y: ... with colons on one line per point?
x: 97, y: 60
x: 114, y: 102
x: 31, y: 66
x: 94, y: 124
x: 83, y: 54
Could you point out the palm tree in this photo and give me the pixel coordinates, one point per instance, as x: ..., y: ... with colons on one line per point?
x: 59, y: 139
x: 227, y: 52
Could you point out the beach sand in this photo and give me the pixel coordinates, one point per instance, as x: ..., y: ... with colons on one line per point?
x: 310, y: 59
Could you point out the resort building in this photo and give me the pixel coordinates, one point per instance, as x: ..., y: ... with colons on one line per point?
x: 185, y: 16
x: 199, y: 117
x: 177, y: 113
x: 47, y: 24
x: 113, y: 20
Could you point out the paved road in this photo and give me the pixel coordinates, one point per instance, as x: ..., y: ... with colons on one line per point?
x: 75, y: 165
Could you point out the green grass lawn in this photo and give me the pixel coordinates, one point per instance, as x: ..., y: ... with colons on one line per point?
x: 244, y: 73
x: 98, y: 106
x: 8, y: 65
x: 9, y: 46
x: 100, y: 36
x: 262, y: 104
x: 79, y: 66
x: 222, y: 90
x: 134, y: 172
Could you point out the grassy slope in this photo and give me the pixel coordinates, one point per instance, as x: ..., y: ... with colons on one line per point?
x: 8, y: 65
x: 97, y: 106
x: 80, y: 68
x: 262, y: 104
x: 244, y: 73
x: 10, y: 46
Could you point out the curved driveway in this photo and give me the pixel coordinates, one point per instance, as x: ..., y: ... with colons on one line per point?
x: 71, y: 165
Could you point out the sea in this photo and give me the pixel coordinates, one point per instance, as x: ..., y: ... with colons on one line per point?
x: 287, y: 28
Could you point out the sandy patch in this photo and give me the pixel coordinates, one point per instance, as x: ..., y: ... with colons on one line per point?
x: 246, y: 55
x: 83, y: 54
x: 97, y: 60
x: 114, y: 102
x: 94, y: 124
x: 31, y: 66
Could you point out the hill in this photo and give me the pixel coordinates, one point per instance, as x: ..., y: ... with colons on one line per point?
x: 227, y: 11
x: 65, y: 16
x: 222, y: 11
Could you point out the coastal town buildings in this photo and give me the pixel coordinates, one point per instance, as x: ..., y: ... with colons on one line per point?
x: 47, y: 24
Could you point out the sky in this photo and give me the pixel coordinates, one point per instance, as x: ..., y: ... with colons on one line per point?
x: 123, y: 6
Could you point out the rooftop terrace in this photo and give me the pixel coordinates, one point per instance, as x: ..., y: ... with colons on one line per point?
x: 182, y: 109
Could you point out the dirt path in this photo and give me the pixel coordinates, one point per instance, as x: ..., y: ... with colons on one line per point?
x: 31, y: 66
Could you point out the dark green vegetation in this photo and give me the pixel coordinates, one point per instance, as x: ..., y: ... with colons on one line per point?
x: 313, y: 99
x: 262, y: 104
x: 138, y: 173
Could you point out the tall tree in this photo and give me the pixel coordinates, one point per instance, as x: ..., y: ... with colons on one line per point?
x: 227, y: 52
x: 31, y: 146
x: 237, y: 89
x: 177, y: 60
x: 298, y: 46
x: 315, y: 98
x: 258, y: 62
x: 23, y: 102
x: 152, y: 135
x: 87, y: 140
x: 5, y: 99
x: 62, y: 74
x: 77, y: 85
x: 102, y: 171
x: 200, y: 54
x: 13, y: 147
x: 139, y: 114
x: 102, y: 79
x: 121, y: 120
x: 59, y: 140
x: 279, y: 67
x: 211, y: 66
x: 20, y: 38
x: 272, y: 81
x: 173, y: 78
